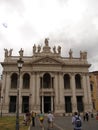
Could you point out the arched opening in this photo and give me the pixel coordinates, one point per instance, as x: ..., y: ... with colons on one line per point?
x: 78, y: 81
x: 26, y: 81
x: 66, y: 81
x: 46, y: 81
x: 14, y: 81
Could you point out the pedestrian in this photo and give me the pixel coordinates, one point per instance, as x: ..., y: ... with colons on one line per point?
x: 27, y: 118
x: 97, y: 115
x: 83, y: 116
x: 33, y: 115
x: 24, y: 120
x: 41, y: 118
x: 87, y: 116
x: 50, y: 119
x: 77, y: 121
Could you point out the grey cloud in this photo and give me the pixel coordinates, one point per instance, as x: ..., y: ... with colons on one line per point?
x: 3, y: 40
x: 26, y: 30
x: 86, y: 39
x: 13, y: 5
x: 83, y: 36
x: 63, y: 1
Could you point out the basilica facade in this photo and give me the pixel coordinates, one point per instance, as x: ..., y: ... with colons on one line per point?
x: 48, y: 81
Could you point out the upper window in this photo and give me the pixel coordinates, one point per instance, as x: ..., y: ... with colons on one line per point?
x: 91, y: 86
x: 47, y: 81
x: 26, y: 81
x: 66, y: 81
x: 14, y: 80
x: 78, y: 81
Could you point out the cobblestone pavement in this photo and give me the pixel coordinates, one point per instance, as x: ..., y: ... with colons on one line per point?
x: 64, y: 123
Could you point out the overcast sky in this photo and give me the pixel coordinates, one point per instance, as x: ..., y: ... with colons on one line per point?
x: 68, y: 23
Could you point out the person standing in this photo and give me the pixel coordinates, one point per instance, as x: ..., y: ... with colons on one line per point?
x: 27, y: 117
x: 52, y: 123
x: 33, y: 115
x: 50, y: 119
x: 41, y: 118
x: 87, y: 116
x: 77, y: 121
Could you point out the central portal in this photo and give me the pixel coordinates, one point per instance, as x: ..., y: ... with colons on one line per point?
x: 47, y: 104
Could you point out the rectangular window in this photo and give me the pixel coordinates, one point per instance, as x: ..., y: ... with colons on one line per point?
x: 68, y: 104
x: 25, y: 104
x: 93, y: 105
x: 91, y: 87
x: 41, y: 82
x: 80, y: 106
x: 12, y: 104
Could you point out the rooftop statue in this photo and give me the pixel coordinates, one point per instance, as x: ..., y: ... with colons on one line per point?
x: 34, y: 49
x: 21, y: 52
x: 10, y: 52
x: 54, y: 49
x: 83, y: 55
x: 70, y: 53
x: 59, y: 49
x: 46, y: 41
x: 6, y: 52
x: 39, y: 48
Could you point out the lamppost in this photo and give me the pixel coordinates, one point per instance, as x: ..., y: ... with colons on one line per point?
x: 19, y: 65
x: 1, y: 104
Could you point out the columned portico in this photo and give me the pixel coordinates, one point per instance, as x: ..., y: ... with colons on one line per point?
x: 3, y: 91
x: 56, y: 98
x: 52, y: 103
x: 20, y: 94
x: 74, y: 103
x: 85, y: 100
x: 42, y: 103
x: 61, y: 92
x: 7, y: 92
x: 48, y: 81
x: 37, y: 91
x: 47, y: 103
x: 32, y: 91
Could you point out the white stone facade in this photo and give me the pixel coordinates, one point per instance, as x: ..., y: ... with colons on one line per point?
x: 48, y: 82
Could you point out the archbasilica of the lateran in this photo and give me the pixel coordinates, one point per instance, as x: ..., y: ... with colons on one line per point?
x: 48, y: 81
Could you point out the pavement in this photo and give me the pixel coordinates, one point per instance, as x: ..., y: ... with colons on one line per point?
x: 45, y: 125
x: 64, y: 123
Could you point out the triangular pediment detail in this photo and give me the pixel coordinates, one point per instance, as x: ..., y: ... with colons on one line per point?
x: 48, y: 60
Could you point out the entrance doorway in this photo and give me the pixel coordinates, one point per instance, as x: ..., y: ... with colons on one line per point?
x: 12, y: 104
x: 25, y: 104
x: 47, y: 104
